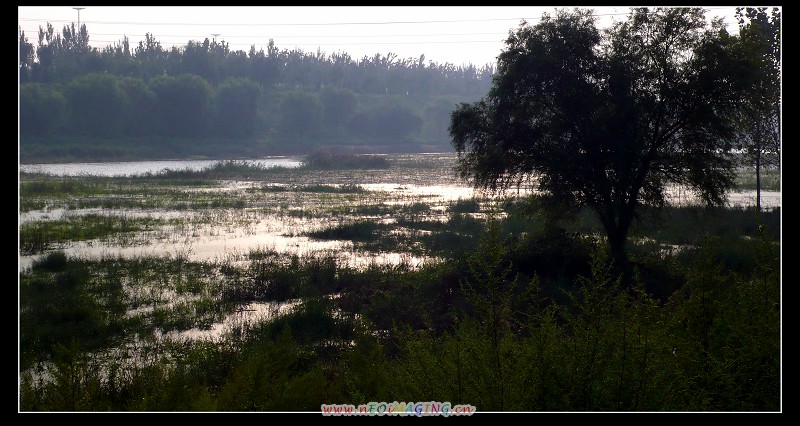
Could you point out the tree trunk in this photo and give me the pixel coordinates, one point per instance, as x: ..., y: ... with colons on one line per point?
x: 617, y: 239
x: 758, y: 180
x: 617, y: 223
x: 757, y: 137
x: 616, y: 242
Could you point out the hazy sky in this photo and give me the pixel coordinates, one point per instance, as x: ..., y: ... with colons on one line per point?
x: 455, y: 34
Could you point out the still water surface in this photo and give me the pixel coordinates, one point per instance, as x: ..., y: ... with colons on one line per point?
x: 229, y: 234
x: 133, y: 168
x: 239, y: 231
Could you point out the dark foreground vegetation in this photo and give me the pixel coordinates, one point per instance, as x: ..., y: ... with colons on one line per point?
x: 522, y: 313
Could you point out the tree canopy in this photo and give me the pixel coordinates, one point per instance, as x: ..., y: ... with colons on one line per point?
x: 141, y: 99
x: 607, y: 119
x: 759, y: 45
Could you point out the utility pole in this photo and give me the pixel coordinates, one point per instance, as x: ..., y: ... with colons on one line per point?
x: 79, y: 15
x: 215, y: 37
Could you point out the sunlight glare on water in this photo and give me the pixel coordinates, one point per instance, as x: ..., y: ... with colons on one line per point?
x: 134, y: 168
x: 279, y: 209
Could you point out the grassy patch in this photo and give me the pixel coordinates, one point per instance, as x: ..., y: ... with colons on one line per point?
x: 770, y: 180
x: 356, y: 231
x: 323, y: 160
x: 38, y: 236
x: 519, y: 313
x: 470, y: 205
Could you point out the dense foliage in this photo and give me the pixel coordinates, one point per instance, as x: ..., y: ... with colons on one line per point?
x: 610, y: 119
x: 78, y: 101
x: 525, y: 320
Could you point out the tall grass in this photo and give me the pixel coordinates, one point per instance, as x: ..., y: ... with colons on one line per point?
x: 522, y: 314
x: 475, y: 330
x: 38, y: 236
x: 770, y: 180
x: 324, y: 160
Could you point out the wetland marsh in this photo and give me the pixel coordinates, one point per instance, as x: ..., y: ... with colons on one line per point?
x: 166, y: 271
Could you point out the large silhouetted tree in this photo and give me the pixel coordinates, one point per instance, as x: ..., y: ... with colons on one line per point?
x: 607, y: 119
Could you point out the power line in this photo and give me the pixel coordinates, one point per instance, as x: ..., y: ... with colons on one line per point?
x: 281, y: 39
x: 279, y: 24
x: 295, y: 24
x: 356, y: 43
x: 250, y: 36
x: 317, y: 36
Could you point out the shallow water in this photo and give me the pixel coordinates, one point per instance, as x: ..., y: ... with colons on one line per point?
x: 246, y: 315
x: 276, y: 220
x: 133, y: 168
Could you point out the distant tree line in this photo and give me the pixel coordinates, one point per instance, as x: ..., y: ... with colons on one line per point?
x: 62, y: 57
x: 204, y: 89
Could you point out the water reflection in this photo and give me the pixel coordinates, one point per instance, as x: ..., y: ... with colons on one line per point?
x: 243, y: 317
x: 133, y: 168
x: 280, y: 208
